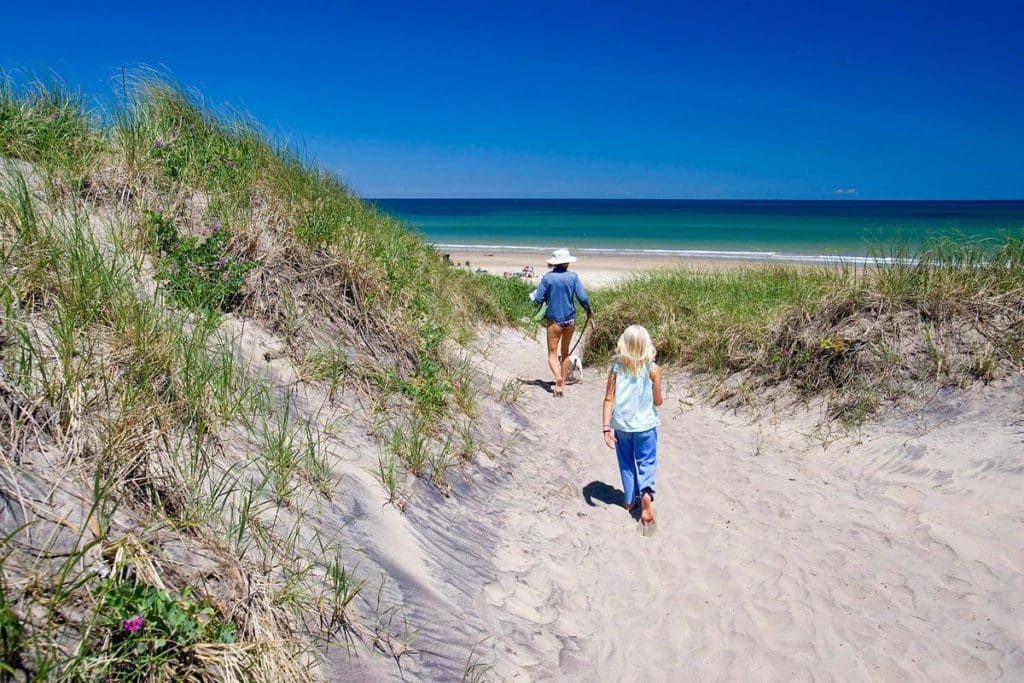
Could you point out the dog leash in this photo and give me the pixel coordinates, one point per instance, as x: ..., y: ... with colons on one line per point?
x: 579, y: 338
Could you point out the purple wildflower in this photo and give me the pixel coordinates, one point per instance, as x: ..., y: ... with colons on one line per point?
x: 221, y: 262
x: 788, y: 353
x: 174, y: 133
x: 158, y: 144
x: 173, y: 268
x: 56, y: 115
x: 133, y: 624
x: 215, y: 227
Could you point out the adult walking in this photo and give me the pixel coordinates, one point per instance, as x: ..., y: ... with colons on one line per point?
x: 557, y: 289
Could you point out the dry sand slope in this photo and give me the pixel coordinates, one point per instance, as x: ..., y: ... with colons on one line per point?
x: 895, y: 554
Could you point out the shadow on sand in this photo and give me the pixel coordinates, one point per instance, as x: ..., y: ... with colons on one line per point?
x: 609, y: 495
x: 546, y: 385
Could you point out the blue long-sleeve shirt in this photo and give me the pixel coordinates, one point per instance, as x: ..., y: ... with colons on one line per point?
x: 558, y: 289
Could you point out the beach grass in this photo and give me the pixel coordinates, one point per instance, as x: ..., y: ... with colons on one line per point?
x: 126, y: 239
x: 947, y: 313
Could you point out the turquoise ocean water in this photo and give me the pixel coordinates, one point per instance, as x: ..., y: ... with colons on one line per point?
x: 791, y: 230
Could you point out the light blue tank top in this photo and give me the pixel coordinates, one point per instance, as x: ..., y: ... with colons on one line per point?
x: 634, y: 409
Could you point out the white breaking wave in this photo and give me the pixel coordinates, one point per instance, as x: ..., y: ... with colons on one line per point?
x: 711, y: 254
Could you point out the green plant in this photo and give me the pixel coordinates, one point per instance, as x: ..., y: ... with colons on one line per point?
x: 341, y: 588
x: 387, y: 470
x: 475, y: 671
x: 467, y: 442
x: 983, y: 363
x: 47, y: 123
x: 281, y: 455
x: 315, y: 467
x: 463, y: 391
x: 200, y: 274
x: 143, y: 631
x: 12, y: 633
x: 511, y: 391
x: 411, y: 446
x: 327, y: 363
x: 440, y: 462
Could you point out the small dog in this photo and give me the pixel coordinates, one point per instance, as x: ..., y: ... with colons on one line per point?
x: 575, y: 373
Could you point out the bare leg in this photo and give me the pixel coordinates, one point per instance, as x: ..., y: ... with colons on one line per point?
x: 566, y: 342
x: 554, y: 334
x: 563, y: 368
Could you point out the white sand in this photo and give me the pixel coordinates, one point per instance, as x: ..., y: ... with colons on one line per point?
x: 898, y: 556
x: 596, y: 270
x: 783, y: 552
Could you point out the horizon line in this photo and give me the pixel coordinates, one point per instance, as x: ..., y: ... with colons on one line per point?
x: 700, y: 199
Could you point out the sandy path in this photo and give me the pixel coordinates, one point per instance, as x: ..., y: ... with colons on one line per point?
x: 895, y: 557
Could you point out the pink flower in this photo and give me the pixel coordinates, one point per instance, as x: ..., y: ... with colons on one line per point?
x: 133, y: 624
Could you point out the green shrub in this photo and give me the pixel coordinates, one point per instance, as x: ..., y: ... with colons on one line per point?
x: 143, y: 631
x: 200, y: 274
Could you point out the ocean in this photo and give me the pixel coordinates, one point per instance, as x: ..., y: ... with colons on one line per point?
x: 793, y: 230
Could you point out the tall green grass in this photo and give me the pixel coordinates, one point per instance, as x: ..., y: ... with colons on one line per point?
x: 949, y: 312
x: 703, y: 318
x: 47, y: 123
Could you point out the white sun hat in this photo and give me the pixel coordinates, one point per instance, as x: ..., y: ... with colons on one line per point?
x: 559, y: 256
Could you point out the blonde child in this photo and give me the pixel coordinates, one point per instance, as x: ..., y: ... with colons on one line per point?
x: 630, y: 417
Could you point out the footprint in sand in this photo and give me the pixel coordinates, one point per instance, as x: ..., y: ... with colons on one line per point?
x: 513, y: 559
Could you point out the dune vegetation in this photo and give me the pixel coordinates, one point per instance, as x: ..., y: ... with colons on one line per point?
x: 950, y: 313
x: 130, y: 240
x: 162, y: 486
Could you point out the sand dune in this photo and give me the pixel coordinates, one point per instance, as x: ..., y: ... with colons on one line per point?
x: 783, y: 552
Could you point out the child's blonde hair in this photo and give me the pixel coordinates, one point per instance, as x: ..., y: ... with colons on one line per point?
x: 635, y: 349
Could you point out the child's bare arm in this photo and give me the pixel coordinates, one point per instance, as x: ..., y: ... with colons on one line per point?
x: 606, y: 411
x: 656, y: 381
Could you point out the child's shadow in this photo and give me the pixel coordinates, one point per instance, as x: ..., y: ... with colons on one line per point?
x: 609, y: 495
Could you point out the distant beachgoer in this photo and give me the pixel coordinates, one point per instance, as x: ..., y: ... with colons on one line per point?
x: 557, y: 289
x: 630, y: 418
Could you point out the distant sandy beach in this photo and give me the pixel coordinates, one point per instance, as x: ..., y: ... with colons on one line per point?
x: 596, y: 270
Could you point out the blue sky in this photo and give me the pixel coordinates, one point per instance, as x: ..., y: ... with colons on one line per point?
x: 553, y: 99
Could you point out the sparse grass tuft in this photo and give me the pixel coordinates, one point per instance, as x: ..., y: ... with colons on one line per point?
x: 412, y: 446
x: 390, y: 478
x: 511, y: 391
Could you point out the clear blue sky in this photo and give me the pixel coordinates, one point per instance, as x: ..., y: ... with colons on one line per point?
x: 552, y: 99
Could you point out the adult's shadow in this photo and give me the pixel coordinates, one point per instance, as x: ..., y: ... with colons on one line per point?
x: 607, y: 494
x: 546, y: 385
